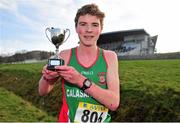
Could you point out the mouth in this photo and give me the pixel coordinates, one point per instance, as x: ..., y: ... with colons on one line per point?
x: 87, y: 37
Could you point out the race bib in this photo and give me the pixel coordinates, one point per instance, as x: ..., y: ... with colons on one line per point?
x: 89, y: 113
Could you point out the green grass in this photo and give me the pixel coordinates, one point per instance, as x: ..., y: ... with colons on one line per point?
x: 22, y: 79
x: 150, y: 89
x: 14, y: 108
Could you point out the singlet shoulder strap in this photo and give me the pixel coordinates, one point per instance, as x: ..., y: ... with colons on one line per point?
x: 104, y: 57
x: 72, y: 52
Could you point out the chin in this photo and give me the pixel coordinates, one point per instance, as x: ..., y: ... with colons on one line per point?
x: 87, y: 45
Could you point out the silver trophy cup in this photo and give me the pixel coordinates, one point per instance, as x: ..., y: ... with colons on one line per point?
x: 58, y: 37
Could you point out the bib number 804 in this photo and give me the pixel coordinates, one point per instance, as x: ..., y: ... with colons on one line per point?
x: 91, y: 116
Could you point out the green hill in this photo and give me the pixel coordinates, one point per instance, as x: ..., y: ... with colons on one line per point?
x: 14, y: 108
x: 150, y: 89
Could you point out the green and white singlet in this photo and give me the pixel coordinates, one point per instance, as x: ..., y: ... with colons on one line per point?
x: 78, y: 106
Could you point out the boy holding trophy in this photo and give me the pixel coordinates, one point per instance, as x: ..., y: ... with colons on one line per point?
x: 90, y: 79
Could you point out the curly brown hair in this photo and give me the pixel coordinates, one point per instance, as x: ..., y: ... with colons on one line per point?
x: 91, y: 9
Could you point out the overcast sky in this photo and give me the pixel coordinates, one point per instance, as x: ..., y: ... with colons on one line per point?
x: 23, y: 22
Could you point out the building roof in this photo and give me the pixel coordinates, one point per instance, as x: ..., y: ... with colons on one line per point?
x: 119, y: 35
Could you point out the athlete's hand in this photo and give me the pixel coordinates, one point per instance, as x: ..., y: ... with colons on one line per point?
x: 70, y: 74
x: 48, y: 74
x: 47, y: 81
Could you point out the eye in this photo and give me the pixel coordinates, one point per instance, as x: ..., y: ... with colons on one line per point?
x: 82, y: 24
x: 95, y: 24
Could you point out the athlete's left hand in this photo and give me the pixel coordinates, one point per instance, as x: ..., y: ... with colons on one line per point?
x: 70, y: 74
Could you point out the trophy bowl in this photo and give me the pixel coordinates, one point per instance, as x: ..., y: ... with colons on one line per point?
x: 58, y: 37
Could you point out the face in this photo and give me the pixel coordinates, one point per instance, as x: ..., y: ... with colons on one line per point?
x: 88, y: 29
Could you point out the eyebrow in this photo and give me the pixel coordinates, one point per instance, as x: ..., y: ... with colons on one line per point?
x: 86, y: 22
x: 95, y: 23
x: 82, y: 22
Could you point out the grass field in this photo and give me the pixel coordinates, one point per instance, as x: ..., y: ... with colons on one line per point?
x: 13, y: 108
x: 150, y: 89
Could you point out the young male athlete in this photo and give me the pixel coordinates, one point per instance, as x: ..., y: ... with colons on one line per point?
x: 90, y: 80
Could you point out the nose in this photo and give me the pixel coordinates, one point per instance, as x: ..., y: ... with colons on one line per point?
x: 88, y: 29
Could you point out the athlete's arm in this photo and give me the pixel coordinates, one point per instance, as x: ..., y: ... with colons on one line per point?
x: 46, y: 83
x: 109, y: 97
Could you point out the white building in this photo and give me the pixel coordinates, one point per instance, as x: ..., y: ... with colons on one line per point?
x: 128, y: 42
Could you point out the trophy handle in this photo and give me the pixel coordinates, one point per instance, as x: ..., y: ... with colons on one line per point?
x: 67, y: 30
x: 47, y: 29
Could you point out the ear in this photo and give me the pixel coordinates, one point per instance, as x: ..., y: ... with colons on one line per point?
x: 76, y: 29
x: 101, y: 30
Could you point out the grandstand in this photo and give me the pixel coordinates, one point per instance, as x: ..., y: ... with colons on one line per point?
x: 128, y: 42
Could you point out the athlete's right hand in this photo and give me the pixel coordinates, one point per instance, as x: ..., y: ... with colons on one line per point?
x: 47, y: 81
x: 49, y: 75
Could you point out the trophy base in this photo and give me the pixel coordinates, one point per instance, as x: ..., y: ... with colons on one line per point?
x: 52, y: 63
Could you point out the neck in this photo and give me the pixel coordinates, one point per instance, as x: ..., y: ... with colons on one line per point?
x: 91, y: 50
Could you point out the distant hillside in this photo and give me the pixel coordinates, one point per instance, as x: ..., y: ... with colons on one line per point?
x: 18, y: 57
